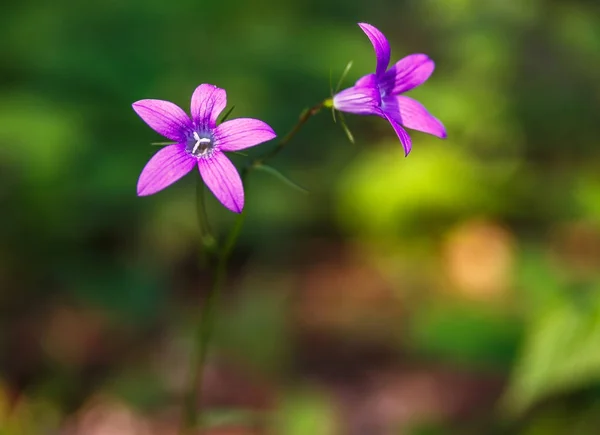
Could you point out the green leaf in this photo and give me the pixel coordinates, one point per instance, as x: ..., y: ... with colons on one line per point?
x: 239, y: 153
x: 162, y: 144
x: 343, y: 76
x: 346, y: 129
x: 339, y: 85
x: 280, y: 176
x: 226, y: 115
x: 560, y: 353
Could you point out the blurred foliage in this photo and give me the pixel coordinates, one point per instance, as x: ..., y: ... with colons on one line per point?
x: 559, y: 352
x: 307, y: 413
x: 455, y: 291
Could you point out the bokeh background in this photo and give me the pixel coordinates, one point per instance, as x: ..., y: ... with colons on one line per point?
x: 456, y: 291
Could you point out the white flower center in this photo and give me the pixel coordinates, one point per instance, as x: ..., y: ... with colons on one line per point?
x: 199, y: 146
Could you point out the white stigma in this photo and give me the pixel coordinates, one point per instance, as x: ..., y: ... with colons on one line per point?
x: 199, y: 141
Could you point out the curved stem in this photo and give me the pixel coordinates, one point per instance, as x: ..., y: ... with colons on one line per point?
x: 192, y: 411
x: 304, y: 117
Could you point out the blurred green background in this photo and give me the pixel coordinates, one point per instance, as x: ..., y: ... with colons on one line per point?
x: 456, y: 291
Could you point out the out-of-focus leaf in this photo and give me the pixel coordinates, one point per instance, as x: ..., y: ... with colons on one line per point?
x: 304, y: 413
x: 281, y: 177
x: 561, y: 352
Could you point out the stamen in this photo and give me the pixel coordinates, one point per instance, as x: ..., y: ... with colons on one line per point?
x: 201, y: 145
x: 199, y: 141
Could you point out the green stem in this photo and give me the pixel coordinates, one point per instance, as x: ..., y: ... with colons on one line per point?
x: 190, y: 406
x: 304, y: 117
x: 192, y: 411
x: 208, y: 240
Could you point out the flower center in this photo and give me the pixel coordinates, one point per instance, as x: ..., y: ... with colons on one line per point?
x: 382, y: 91
x: 199, y: 146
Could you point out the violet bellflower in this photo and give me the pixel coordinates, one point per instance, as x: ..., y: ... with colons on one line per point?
x: 379, y: 93
x: 200, y: 142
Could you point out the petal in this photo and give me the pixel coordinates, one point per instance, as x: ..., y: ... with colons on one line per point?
x: 164, y: 117
x: 208, y: 101
x: 370, y: 80
x: 241, y: 133
x: 414, y: 115
x: 402, y: 135
x: 164, y: 168
x: 360, y: 100
x: 223, y: 180
x: 381, y: 46
x: 407, y: 73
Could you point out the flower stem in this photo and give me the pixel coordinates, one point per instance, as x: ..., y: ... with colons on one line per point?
x: 192, y: 411
x: 304, y: 117
x: 193, y: 408
x: 208, y: 240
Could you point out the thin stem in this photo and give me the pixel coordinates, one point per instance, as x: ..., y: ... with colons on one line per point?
x: 192, y: 407
x: 304, y: 117
x: 208, y: 240
x: 192, y: 411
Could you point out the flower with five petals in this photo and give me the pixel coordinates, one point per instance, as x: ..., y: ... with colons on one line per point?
x: 379, y: 93
x: 200, y: 142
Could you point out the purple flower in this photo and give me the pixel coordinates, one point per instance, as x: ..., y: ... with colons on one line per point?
x: 199, y: 141
x: 379, y: 93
